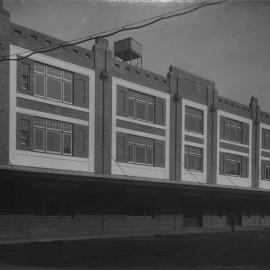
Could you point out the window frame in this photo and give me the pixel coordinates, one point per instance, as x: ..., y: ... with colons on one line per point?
x: 230, y: 161
x: 131, y: 142
x: 25, y: 84
x: 144, y: 99
x: 199, y: 116
x: 265, y: 143
x: 188, y: 153
x: 63, y: 79
x: 267, y: 173
x: 46, y: 127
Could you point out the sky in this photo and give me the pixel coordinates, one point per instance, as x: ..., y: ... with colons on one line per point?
x: 227, y: 43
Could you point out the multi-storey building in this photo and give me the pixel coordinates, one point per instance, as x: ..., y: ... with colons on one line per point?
x: 91, y: 145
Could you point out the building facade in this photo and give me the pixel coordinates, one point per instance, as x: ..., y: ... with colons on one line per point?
x: 92, y: 146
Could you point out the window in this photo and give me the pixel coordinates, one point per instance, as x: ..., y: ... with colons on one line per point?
x: 25, y: 81
x: 193, y: 158
x: 25, y: 129
x: 53, y: 83
x: 24, y: 137
x: 233, y: 130
x: 193, y: 120
x: 54, y: 208
x: 234, y: 165
x: 138, y: 209
x: 266, y: 139
x: 140, y: 150
x: 25, y: 75
x: 265, y: 170
x: 52, y: 136
x: 140, y: 106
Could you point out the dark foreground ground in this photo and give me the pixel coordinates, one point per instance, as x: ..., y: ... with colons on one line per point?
x: 248, y: 250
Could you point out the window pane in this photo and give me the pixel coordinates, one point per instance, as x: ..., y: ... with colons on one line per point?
x: 150, y: 113
x: 149, y: 142
x: 67, y: 144
x: 140, y: 154
x: 39, y: 122
x: 140, y: 110
x: 54, y: 141
x: 54, y: 88
x: 192, y: 162
x: 39, y: 85
x: 54, y: 124
x: 68, y: 75
x: 140, y: 140
x: 131, y: 138
x: 186, y: 160
x: 68, y: 92
x: 130, y: 152
x: 233, y: 134
x: 39, y: 67
x: 81, y: 137
x: 39, y: 139
x: 25, y: 81
x: 198, y: 163
x: 192, y: 123
x: 131, y: 107
x: 131, y: 93
x: 140, y: 96
x: 54, y: 72
x: 67, y: 127
x: 200, y: 125
x: 149, y: 155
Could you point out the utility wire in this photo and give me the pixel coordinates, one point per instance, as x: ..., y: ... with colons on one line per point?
x: 110, y: 30
x: 224, y: 174
x: 190, y: 172
x: 117, y: 163
x: 117, y: 30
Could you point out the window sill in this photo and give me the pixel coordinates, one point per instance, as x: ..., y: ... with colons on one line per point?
x: 52, y: 102
x: 133, y: 120
x: 194, y: 134
x: 234, y: 142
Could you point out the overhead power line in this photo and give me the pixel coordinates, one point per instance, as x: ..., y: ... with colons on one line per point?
x: 114, y: 31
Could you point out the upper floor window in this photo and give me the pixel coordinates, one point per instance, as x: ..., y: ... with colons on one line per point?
x: 233, y: 130
x: 265, y: 138
x: 52, y: 136
x: 140, y: 106
x: 53, y: 83
x: 193, y: 158
x: 193, y: 120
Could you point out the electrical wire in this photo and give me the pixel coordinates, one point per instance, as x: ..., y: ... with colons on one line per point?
x: 108, y: 33
x: 116, y: 162
x: 189, y: 171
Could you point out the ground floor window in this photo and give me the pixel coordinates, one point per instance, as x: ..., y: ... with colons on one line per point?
x: 54, y: 208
